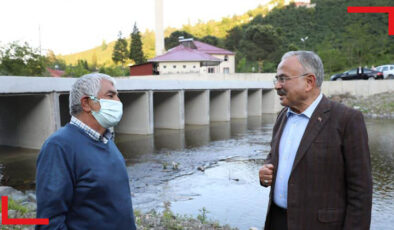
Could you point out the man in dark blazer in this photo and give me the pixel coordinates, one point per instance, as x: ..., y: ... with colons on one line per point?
x: 319, y: 165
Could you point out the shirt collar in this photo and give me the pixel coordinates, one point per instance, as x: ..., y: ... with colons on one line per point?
x: 309, y: 111
x: 91, y: 132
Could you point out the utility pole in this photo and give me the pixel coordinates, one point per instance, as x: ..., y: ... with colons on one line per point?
x: 39, y: 38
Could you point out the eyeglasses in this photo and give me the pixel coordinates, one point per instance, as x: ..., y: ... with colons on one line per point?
x: 282, y: 78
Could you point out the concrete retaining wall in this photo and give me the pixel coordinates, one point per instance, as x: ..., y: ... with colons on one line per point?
x: 138, y: 108
x: 197, y: 107
x: 239, y: 104
x: 358, y: 88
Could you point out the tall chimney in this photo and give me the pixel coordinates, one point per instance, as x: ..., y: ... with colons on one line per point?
x: 159, y: 32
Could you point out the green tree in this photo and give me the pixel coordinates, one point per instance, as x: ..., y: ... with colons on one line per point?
x: 115, y: 71
x: 136, y: 53
x: 148, y: 41
x: 78, y: 70
x: 260, y: 42
x: 120, y: 53
x: 54, y: 62
x: 233, y: 38
x: 241, y: 65
x: 333, y: 59
x: 358, y: 44
x: 211, y: 40
x: 21, y: 60
x: 173, y: 39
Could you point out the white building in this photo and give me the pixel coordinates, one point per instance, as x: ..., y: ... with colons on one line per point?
x: 195, y: 57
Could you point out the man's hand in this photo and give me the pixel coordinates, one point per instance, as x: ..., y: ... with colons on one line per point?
x: 265, y: 174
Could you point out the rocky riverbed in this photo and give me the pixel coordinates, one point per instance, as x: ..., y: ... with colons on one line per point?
x: 376, y: 106
x: 20, y: 205
x: 23, y: 205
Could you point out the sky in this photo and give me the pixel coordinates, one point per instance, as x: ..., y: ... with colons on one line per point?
x: 69, y: 26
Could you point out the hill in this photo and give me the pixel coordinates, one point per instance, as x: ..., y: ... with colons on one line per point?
x: 260, y: 36
x: 102, y: 55
x: 341, y: 39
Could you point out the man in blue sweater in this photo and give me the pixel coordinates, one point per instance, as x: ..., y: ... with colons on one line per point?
x: 81, y: 180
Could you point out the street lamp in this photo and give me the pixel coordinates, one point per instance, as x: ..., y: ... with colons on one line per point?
x: 303, y: 40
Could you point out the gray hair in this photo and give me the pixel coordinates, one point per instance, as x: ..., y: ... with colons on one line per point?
x: 311, y: 63
x: 87, y: 85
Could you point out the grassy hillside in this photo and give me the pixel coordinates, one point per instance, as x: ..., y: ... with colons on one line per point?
x: 260, y: 36
x: 102, y: 55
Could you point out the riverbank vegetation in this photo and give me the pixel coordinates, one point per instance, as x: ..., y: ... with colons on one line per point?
x: 17, y: 210
x: 23, y: 205
x: 167, y: 220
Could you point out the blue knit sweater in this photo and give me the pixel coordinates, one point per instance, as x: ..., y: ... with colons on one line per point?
x: 82, y: 183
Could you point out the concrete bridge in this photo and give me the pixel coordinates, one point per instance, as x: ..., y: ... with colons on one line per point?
x: 31, y: 108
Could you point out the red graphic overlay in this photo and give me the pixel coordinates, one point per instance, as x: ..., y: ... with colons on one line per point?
x: 27, y: 221
x: 376, y: 9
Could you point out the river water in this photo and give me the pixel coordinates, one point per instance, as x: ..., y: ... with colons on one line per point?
x: 213, y: 167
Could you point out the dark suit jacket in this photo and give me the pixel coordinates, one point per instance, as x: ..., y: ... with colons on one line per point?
x: 330, y: 186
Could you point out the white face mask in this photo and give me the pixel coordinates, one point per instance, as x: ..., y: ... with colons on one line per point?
x: 110, y: 113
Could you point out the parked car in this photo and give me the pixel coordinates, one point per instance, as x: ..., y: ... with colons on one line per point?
x: 388, y: 71
x: 358, y: 74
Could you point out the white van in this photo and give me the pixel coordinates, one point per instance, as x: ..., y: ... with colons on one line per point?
x: 388, y: 71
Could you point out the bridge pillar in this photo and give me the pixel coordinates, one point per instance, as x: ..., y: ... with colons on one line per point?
x: 137, y: 113
x: 239, y: 103
x: 270, y: 102
x: 255, y: 102
x: 168, y: 110
x: 219, y: 107
x: 197, y: 107
x: 27, y: 120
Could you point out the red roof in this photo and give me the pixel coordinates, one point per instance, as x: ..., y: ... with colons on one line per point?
x: 202, y: 52
x: 182, y: 53
x: 210, y: 49
x: 55, y: 73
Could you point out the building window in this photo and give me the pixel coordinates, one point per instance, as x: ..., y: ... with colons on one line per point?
x: 225, y: 57
x: 184, y: 66
x: 211, y: 70
x: 164, y: 66
x: 194, y: 67
x: 174, y: 66
x: 226, y: 70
